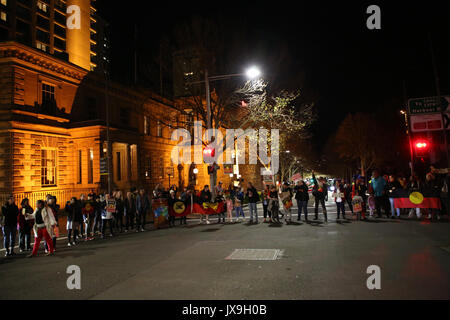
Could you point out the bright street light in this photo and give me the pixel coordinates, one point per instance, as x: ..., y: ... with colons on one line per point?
x: 253, y: 72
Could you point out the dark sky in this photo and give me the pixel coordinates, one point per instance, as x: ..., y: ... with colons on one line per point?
x: 348, y: 67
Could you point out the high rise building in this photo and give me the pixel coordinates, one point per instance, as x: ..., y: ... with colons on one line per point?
x: 42, y: 24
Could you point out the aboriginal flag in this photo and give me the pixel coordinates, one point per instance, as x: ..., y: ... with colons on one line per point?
x: 181, y: 209
x: 416, y: 199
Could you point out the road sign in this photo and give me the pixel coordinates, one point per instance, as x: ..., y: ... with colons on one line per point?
x: 428, y: 105
x: 103, y: 166
x: 429, y: 122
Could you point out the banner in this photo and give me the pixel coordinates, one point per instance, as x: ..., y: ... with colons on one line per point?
x: 425, y: 200
x: 181, y: 209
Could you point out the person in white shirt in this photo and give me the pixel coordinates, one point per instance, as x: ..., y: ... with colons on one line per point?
x: 339, y: 198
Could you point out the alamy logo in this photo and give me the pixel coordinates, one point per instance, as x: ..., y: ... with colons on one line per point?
x: 374, y: 20
x: 374, y: 281
x: 74, y: 280
x: 73, y: 17
x: 234, y: 145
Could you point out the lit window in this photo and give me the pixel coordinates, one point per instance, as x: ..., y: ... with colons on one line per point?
x: 80, y: 167
x: 4, y: 2
x: 3, y: 16
x: 41, y: 46
x: 158, y: 129
x: 146, y: 126
x: 48, y: 92
x: 91, y: 166
x: 48, y: 167
x: 42, y: 6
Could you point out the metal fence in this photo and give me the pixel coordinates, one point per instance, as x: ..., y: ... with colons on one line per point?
x: 62, y: 195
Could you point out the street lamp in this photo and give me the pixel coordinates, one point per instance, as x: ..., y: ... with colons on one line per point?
x: 405, y: 114
x: 251, y: 73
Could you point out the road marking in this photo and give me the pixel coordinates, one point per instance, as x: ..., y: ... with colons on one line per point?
x: 255, y: 254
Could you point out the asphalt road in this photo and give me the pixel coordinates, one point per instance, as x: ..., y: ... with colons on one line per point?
x: 319, y: 261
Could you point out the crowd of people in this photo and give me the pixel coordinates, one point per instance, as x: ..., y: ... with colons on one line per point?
x: 91, y: 216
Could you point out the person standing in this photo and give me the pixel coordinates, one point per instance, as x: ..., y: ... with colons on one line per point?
x: 238, y: 202
x: 143, y: 204
x: 25, y: 226
x: 74, y: 220
x: 88, y: 212
x: 392, y: 188
x: 348, y: 195
x: 10, y: 212
x: 130, y: 211
x: 431, y: 188
x: 320, y: 191
x: 170, y: 202
x: 43, y: 227
x: 360, y: 189
x: 339, y: 199
x: 220, y: 199
x: 274, y: 204
x: 205, y: 197
x: 286, y: 199
x: 302, y: 197
x: 266, y: 199
x: 107, y: 215
x: 378, y: 183
x: 120, y: 207
x: 229, y: 205
x: 253, y: 198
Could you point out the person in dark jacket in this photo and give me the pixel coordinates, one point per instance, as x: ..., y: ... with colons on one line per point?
x: 302, y: 197
x: 431, y: 189
x: 25, y: 225
x: 10, y: 211
x: 253, y: 198
x: 265, y: 201
x: 392, y: 188
x: 320, y: 191
x: 221, y: 199
x: 120, y: 208
x: 54, y: 207
x: 348, y: 195
x: 74, y: 220
x: 205, y: 197
x: 143, y: 204
x: 170, y: 202
x: 130, y: 211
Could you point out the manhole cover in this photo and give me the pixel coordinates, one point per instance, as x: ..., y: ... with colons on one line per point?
x: 255, y: 254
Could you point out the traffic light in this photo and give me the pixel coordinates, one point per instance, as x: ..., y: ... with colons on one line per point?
x: 422, y: 148
x: 208, y: 154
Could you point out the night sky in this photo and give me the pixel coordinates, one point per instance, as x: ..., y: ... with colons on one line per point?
x: 325, y: 47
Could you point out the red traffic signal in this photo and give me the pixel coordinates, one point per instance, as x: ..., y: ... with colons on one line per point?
x: 422, y: 148
x: 208, y: 154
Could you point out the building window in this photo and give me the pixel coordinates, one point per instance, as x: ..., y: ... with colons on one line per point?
x: 41, y: 46
x: 133, y: 159
x: 4, y: 2
x: 91, y: 166
x: 119, y: 167
x: 48, y: 167
x: 3, y: 16
x: 42, y: 6
x: 48, y: 92
x: 80, y: 167
x: 158, y: 129
x: 146, y: 126
x: 148, y: 167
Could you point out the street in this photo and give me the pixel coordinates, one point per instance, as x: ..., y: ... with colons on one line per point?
x: 315, y: 261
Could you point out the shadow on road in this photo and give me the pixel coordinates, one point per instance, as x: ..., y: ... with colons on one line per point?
x: 210, y: 230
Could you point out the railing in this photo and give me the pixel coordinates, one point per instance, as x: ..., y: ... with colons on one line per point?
x: 62, y: 196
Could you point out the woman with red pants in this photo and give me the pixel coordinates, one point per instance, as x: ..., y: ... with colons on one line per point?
x: 44, y: 221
